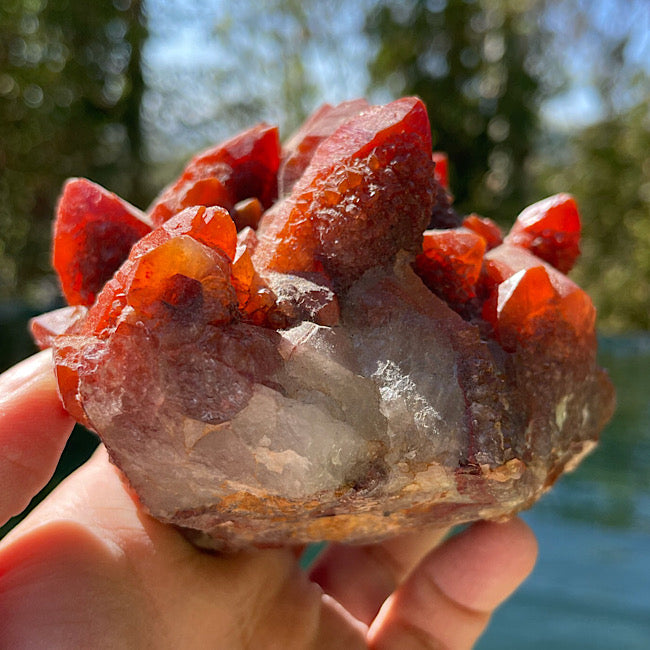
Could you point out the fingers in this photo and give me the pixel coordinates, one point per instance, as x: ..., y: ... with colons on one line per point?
x: 361, y: 577
x: 448, y: 600
x: 34, y: 428
x: 142, y: 584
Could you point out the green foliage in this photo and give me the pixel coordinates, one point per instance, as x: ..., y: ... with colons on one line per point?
x: 70, y: 89
x: 606, y: 164
x: 472, y: 63
x: 609, y: 173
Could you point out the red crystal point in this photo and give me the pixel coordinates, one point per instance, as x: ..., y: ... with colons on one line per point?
x: 404, y: 118
x: 243, y: 167
x: 571, y: 304
x: 46, y: 327
x: 441, y: 170
x: 93, y: 233
x: 486, y: 228
x: 451, y: 262
x: 297, y: 152
x: 366, y: 194
x: 551, y: 230
x: 525, y: 300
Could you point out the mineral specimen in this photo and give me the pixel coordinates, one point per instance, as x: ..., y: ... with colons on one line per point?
x: 332, y: 371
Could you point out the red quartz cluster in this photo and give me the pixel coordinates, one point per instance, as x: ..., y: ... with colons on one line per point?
x: 515, y: 285
x: 329, y: 220
x: 255, y: 241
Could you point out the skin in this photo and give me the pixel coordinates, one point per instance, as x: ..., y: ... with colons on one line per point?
x: 88, y: 568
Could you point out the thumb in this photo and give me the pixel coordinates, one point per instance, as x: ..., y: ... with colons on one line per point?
x: 34, y: 428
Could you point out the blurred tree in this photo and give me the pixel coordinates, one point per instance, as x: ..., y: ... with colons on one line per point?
x: 70, y: 89
x: 487, y: 68
x: 481, y: 68
x: 610, y: 177
x: 241, y: 66
x: 607, y: 163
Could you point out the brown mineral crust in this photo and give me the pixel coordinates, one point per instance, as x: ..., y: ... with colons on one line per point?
x: 443, y: 214
x: 242, y: 519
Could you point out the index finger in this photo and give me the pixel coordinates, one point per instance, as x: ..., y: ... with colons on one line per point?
x: 34, y: 428
x: 447, y: 600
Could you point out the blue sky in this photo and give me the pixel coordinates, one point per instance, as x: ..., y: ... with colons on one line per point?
x: 184, y: 40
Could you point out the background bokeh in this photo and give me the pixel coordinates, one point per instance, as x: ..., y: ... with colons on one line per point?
x: 528, y: 97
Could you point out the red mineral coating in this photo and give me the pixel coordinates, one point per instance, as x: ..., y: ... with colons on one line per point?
x: 346, y: 213
x: 241, y: 168
x: 551, y: 230
x: 93, y: 233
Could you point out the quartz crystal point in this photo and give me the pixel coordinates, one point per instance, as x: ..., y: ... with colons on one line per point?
x: 333, y: 372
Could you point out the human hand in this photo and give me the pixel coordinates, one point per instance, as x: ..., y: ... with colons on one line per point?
x: 89, y: 569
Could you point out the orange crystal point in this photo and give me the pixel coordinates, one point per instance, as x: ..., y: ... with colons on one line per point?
x: 451, y: 263
x: 243, y: 167
x: 182, y: 279
x: 525, y: 300
x: 485, y: 227
x: 93, y: 233
x: 569, y: 304
x: 551, y: 230
x: 366, y: 194
x: 212, y: 226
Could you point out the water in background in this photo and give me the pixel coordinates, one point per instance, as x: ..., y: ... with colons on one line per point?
x: 591, y: 586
